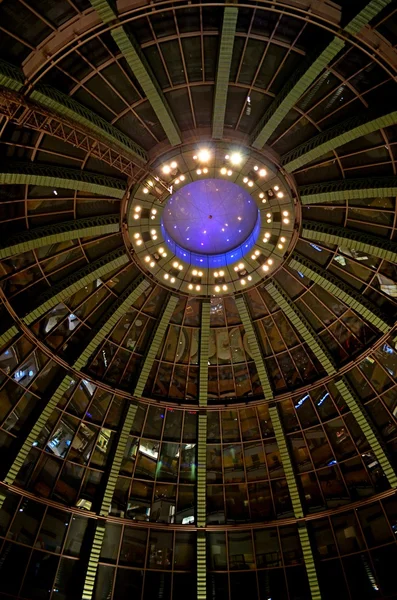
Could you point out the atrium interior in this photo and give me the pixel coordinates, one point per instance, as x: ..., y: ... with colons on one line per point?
x: 198, y: 300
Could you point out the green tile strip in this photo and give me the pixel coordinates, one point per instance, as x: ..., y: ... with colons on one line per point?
x: 155, y: 344
x: 364, y: 423
x: 62, y: 177
x: 343, y: 236
x: 286, y: 460
x: 93, y: 560
x: 8, y: 335
x: 106, y: 9
x: 58, y: 232
x: 223, y: 72
x: 254, y: 347
x: 311, y: 68
x: 309, y: 561
x: 340, y: 290
x: 204, y: 350
x: 69, y: 108
x: 111, y: 318
x: 292, y: 91
x: 11, y: 77
x: 138, y: 64
x: 147, y: 80
x: 366, y: 15
x: 202, y: 471
x: 201, y: 566
x: 75, y: 282
x: 298, y: 321
x: 117, y: 460
x: 336, y: 136
x: 348, y: 189
x: 36, y: 429
x: 104, y: 327
x: 68, y: 286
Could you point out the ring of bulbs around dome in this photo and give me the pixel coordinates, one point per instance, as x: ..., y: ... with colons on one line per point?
x: 264, y: 182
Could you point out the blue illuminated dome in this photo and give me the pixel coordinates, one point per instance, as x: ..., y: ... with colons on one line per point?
x: 210, y: 222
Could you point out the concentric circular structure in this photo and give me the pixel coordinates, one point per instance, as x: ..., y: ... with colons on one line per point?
x: 210, y: 217
x: 198, y: 300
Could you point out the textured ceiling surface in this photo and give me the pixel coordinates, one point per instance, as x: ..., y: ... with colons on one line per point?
x: 135, y: 386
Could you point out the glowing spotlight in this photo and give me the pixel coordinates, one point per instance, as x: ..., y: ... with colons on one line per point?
x: 147, y: 258
x: 223, y: 171
x: 282, y: 239
x: 262, y: 173
x: 205, y: 170
x: 224, y: 287
x: 139, y: 243
x: 153, y: 232
x: 241, y: 266
x: 280, y: 195
x: 145, y: 191
x: 166, y: 276
x: 270, y: 261
x: 215, y: 274
x: 138, y: 209
x: 243, y: 282
x: 194, y: 272
x: 236, y: 158
x: 285, y: 213
x: 152, y: 264
x: 174, y: 164
x: 245, y: 179
x: 265, y: 268
x: 204, y: 155
x: 175, y: 264
x: 198, y: 288
x: 190, y: 286
x: 166, y: 169
x: 286, y: 221
x: 230, y: 172
x: 172, y: 279
x: 221, y: 273
x: 250, y: 183
x: 198, y: 171
x: 261, y: 195
x: 182, y: 178
x: 154, y: 211
x: 276, y: 188
x: 217, y: 288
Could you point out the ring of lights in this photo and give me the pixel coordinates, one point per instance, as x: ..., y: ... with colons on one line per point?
x: 252, y: 172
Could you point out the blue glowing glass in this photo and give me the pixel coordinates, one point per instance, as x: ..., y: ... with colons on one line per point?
x: 210, y: 223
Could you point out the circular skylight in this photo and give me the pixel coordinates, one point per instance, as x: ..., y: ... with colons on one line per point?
x: 210, y: 216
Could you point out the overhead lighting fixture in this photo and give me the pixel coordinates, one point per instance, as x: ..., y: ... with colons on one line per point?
x: 262, y: 173
x: 236, y: 158
x: 174, y: 164
x: 204, y: 155
x: 145, y: 191
x: 166, y: 169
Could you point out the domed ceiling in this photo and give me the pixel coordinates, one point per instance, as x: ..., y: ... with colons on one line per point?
x: 198, y: 236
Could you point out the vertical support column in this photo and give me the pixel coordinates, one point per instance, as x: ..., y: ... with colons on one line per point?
x: 122, y: 442
x: 296, y: 502
x: 204, y: 349
x: 201, y: 506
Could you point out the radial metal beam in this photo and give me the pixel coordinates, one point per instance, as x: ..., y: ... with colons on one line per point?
x: 254, y: 347
x: 201, y: 509
x: 341, y: 290
x: 223, y: 72
x: 68, y: 107
x: 52, y: 176
x: 68, y: 286
x: 155, y: 345
x: 366, y: 14
x: 304, y: 328
x: 58, y: 232
x: 102, y: 329
x: 348, y: 189
x: 368, y: 430
x: 342, y: 236
x: 330, y: 139
x: 204, y: 349
x: 138, y: 64
x: 295, y: 500
x: 292, y: 91
x: 307, y: 73
x: 24, y: 113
